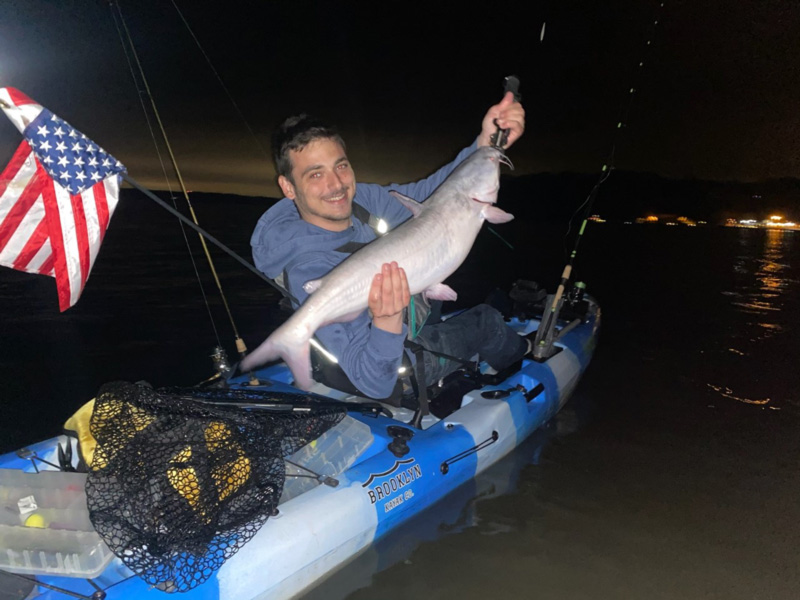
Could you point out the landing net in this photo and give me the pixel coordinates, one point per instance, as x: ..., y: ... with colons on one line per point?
x: 177, y: 486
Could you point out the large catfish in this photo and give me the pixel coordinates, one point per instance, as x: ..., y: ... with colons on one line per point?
x: 430, y: 246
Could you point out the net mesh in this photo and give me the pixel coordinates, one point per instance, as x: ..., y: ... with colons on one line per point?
x: 176, y: 486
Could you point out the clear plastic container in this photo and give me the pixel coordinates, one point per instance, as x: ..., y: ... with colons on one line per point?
x: 55, y: 538
x: 330, y: 454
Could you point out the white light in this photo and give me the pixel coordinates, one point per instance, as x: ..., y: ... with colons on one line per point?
x: 324, y: 352
x: 401, y: 370
x: 383, y: 226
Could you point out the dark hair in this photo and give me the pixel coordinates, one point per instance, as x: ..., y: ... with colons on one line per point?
x: 295, y: 133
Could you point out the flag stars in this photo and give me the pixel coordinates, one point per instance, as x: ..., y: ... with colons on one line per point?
x: 106, y: 163
x: 52, y: 162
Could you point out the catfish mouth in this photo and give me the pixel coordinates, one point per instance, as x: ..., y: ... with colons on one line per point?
x: 503, y: 160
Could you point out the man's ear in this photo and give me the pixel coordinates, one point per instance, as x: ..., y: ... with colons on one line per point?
x: 286, y: 187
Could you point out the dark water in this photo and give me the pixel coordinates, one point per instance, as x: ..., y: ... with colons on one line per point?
x: 672, y: 473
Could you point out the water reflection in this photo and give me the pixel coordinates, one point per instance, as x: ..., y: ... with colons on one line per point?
x: 764, y: 278
x: 727, y: 392
x: 761, y: 292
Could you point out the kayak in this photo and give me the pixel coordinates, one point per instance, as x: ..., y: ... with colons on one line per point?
x: 376, y: 472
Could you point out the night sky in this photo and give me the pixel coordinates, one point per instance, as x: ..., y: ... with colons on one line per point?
x: 408, y: 83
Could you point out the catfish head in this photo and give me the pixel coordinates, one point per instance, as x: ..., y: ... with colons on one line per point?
x: 479, y: 181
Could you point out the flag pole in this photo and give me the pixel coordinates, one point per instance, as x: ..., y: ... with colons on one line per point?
x: 202, y: 232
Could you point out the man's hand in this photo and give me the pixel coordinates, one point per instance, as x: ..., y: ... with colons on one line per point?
x: 388, y: 296
x: 509, y: 114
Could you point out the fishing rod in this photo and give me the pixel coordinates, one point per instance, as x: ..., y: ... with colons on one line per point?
x: 202, y: 232
x: 546, y: 335
x: 241, y: 347
x: 275, y: 402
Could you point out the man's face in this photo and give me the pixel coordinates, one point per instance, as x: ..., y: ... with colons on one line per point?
x: 324, y: 184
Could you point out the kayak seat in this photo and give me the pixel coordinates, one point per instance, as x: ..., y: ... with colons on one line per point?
x: 331, y: 374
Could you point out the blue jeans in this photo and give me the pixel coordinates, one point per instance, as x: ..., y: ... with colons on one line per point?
x: 480, y: 330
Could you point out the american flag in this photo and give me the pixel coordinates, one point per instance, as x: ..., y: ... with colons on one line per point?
x: 57, y: 196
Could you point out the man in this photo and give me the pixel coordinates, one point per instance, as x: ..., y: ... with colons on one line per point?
x: 324, y: 217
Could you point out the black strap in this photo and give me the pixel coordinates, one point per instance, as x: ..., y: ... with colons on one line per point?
x: 363, y: 215
x: 462, y: 361
x: 350, y: 247
x: 419, y: 385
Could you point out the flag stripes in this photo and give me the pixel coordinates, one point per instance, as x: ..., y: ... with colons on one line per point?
x: 57, y: 196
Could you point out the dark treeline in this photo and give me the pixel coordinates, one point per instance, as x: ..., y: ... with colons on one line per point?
x: 556, y: 196
x: 627, y: 195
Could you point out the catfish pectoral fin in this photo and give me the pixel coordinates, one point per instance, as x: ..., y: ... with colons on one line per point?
x: 440, y: 291
x: 496, y: 215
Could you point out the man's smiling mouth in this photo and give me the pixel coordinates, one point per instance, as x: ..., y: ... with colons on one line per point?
x: 336, y: 198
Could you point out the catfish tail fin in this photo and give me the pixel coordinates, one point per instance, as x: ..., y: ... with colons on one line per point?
x: 281, y: 344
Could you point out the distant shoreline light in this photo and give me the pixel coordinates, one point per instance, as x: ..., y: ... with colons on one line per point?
x: 775, y: 222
